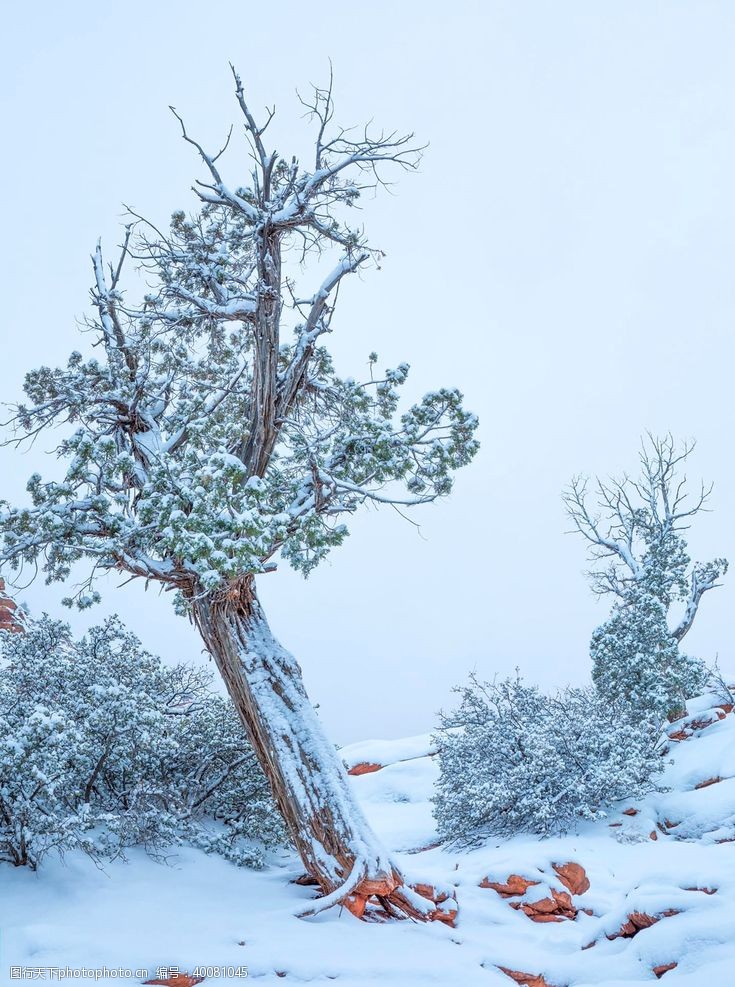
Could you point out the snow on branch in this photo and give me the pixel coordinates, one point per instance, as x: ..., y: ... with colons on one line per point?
x: 634, y: 529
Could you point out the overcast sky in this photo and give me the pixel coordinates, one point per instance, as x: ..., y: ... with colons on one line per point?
x: 564, y: 256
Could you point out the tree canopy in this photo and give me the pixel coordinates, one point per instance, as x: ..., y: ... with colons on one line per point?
x: 209, y: 429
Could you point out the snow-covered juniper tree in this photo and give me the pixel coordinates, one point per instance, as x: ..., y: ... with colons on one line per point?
x: 635, y: 530
x: 212, y: 436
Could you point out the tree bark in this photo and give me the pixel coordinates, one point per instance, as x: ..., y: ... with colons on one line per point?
x: 307, y: 778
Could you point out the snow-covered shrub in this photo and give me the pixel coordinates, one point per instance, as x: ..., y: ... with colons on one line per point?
x: 219, y: 783
x: 103, y: 747
x: 513, y: 759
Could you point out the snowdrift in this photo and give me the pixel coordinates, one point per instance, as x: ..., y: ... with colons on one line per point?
x: 647, y: 894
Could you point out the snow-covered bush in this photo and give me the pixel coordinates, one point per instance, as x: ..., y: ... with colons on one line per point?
x: 103, y: 747
x: 513, y: 759
x: 218, y: 782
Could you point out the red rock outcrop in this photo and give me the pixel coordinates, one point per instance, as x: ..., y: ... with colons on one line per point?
x: 515, y: 886
x: 659, y: 971
x: 708, y: 782
x: 445, y: 900
x: 364, y: 768
x: 690, y: 726
x: 9, y: 612
x: 558, y: 906
x: 573, y: 877
x: 553, y: 909
x: 637, y: 921
x: 525, y: 979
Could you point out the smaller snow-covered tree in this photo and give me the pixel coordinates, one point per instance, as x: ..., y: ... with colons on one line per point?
x: 103, y: 747
x: 639, y: 553
x: 515, y: 760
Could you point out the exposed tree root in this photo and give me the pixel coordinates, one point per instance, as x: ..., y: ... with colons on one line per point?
x: 388, y: 897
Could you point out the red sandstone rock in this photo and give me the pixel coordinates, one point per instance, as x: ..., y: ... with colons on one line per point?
x: 8, y: 612
x: 630, y: 812
x: 514, y: 886
x: 701, y: 724
x: 525, y: 979
x: 653, y: 835
x: 663, y: 968
x: 447, y: 915
x: 446, y: 900
x: 703, y: 890
x: 573, y: 876
x: 356, y: 903
x: 642, y: 920
x: 306, y: 881
x: 432, y: 893
x: 708, y: 782
x: 637, y: 921
x: 557, y: 908
x: 679, y: 735
x: 364, y: 768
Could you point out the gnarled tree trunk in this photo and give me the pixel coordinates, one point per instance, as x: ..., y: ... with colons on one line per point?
x: 308, y: 780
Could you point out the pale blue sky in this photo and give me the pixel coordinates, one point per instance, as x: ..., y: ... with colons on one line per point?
x: 564, y: 256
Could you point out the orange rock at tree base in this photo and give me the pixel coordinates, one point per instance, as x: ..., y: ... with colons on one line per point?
x: 447, y: 898
x: 446, y: 901
x: 364, y: 768
x: 358, y: 901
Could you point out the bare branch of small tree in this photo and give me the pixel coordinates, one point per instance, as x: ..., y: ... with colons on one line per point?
x: 634, y: 526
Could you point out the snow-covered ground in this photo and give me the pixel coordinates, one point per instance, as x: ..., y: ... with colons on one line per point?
x: 199, y: 911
